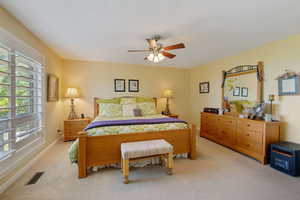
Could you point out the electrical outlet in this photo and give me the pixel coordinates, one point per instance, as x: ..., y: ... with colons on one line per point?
x: 59, y: 131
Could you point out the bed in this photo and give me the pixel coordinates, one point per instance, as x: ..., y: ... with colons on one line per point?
x: 103, y: 148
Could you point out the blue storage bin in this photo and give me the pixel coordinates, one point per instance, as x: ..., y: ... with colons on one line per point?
x: 285, y: 157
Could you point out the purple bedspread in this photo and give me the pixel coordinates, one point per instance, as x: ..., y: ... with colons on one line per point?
x: 97, y: 124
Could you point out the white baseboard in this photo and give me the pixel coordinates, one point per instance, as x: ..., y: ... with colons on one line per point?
x: 22, y: 171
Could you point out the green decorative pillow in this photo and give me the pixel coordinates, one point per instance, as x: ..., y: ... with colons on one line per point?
x: 129, y: 100
x: 143, y: 99
x: 110, y: 110
x: 147, y: 108
x: 114, y: 100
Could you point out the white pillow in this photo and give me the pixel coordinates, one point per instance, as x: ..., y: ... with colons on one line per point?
x: 128, y: 109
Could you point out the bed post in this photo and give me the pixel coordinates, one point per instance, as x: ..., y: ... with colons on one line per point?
x: 193, y: 150
x: 82, y: 169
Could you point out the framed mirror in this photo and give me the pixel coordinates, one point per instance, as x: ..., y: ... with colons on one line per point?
x: 242, y: 88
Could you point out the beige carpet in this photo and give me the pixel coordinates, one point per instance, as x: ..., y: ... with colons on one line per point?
x: 218, y: 173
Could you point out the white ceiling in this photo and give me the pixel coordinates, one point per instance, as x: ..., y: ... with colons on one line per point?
x: 104, y: 30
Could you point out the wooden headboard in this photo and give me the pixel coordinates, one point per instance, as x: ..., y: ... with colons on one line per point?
x: 97, y: 107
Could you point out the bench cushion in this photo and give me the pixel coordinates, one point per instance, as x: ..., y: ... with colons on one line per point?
x: 145, y: 148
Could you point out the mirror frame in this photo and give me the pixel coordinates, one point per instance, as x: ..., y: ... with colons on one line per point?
x: 242, y: 70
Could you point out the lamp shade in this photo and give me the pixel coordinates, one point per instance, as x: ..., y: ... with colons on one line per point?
x: 168, y: 94
x: 72, y: 93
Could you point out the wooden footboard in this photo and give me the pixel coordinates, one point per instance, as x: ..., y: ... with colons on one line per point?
x: 105, y: 149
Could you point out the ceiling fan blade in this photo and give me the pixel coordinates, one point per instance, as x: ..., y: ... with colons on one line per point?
x: 138, y: 50
x: 167, y: 54
x: 152, y: 43
x: 175, y: 46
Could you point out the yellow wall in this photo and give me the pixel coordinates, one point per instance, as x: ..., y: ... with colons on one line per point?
x: 277, y: 56
x: 96, y: 79
x: 53, y: 65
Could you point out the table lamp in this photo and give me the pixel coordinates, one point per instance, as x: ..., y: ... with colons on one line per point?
x: 271, y: 99
x: 72, y: 93
x: 167, y: 94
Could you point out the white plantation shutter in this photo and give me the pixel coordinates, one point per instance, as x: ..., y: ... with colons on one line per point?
x: 5, y: 102
x: 21, y: 95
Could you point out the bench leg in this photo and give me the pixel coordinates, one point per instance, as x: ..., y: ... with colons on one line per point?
x: 169, y: 163
x: 125, y: 170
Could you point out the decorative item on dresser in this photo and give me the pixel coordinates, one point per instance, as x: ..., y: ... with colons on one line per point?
x: 242, y: 88
x: 251, y: 137
x: 72, y: 93
x: 269, y: 116
x: 72, y: 127
x: 167, y: 94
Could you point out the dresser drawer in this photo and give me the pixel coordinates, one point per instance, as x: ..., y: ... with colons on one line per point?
x: 225, y: 135
x: 250, y: 126
x: 249, y: 145
x: 228, y: 123
x: 250, y: 135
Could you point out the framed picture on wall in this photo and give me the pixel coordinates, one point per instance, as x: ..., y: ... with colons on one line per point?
x: 133, y: 85
x: 119, y: 85
x: 236, y: 91
x: 52, y: 87
x: 288, y: 86
x: 244, y: 92
x: 204, y: 87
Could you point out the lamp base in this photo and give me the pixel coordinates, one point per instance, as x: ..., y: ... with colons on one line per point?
x: 72, y: 114
x: 167, y: 109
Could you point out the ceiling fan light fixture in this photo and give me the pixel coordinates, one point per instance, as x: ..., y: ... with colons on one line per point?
x: 160, y: 57
x: 150, y: 57
x: 155, y: 58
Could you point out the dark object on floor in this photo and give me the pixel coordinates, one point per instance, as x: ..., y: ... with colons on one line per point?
x: 285, y: 157
x: 35, y: 178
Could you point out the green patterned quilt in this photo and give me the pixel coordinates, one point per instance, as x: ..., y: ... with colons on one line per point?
x: 111, y: 130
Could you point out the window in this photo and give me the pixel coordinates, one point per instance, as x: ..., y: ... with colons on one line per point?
x: 20, y: 100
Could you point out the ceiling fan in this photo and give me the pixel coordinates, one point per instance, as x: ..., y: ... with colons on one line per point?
x: 157, y: 51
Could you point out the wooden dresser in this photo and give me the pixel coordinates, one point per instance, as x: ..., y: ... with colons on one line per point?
x: 251, y: 137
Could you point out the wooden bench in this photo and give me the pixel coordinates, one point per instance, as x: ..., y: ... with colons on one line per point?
x: 146, y: 150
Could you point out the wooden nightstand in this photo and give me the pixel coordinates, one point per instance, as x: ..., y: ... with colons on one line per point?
x: 72, y: 127
x: 173, y: 115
